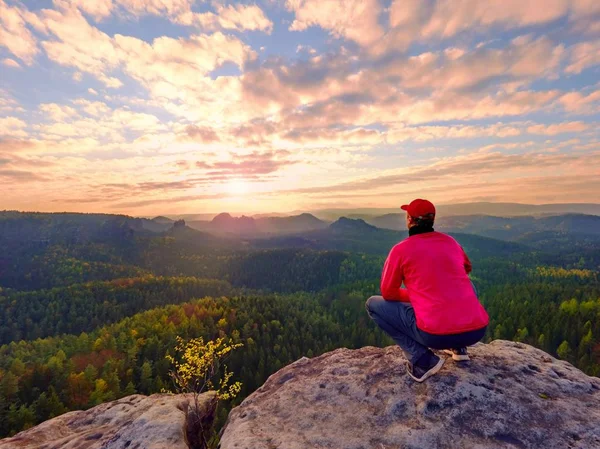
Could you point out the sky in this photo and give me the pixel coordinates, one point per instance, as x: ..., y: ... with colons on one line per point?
x: 146, y: 107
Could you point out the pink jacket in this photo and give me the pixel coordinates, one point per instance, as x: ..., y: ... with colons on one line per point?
x: 434, y: 269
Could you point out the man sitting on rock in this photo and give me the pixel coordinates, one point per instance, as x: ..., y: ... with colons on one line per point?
x: 438, y: 308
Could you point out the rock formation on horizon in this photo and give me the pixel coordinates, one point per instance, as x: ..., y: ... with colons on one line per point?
x: 509, y: 396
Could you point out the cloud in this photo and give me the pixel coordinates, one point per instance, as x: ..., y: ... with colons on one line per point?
x: 581, y: 103
x: 14, y: 34
x: 336, y: 89
x: 19, y: 176
x: 583, y: 56
x: 312, y: 137
x: 415, y: 20
x: 98, y: 9
x: 8, y: 104
x: 332, y: 137
x: 247, y: 166
x: 168, y: 200
x: 165, y: 66
x: 170, y: 8
x: 448, y: 17
x: 93, y: 108
x: 110, y: 81
x: 356, y: 20
x: 528, y: 189
x: 380, y: 85
x: 12, y: 127
x: 585, y: 17
x: 74, y: 37
x: 201, y: 134
x: 169, y: 185
x: 237, y: 17
x: 179, y: 61
x: 108, y: 124
x: 11, y: 63
x: 558, y: 128
x: 461, y: 168
x: 426, y: 133
x: 407, y: 109
x: 63, y: 146
x: 57, y: 112
x: 523, y: 60
x: 17, y: 162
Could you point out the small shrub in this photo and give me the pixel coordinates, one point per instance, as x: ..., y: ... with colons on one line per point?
x: 198, y: 367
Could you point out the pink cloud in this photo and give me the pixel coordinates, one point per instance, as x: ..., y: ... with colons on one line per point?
x: 12, y: 127
x: 14, y: 34
x: 57, y: 112
x: 583, y: 56
x: 558, y: 128
x: 170, y: 8
x: 444, y: 85
x: 461, y: 169
x: 524, y: 59
x: 415, y: 20
x: 19, y: 176
x: 247, y: 165
x: 449, y: 17
x: 93, y: 108
x: 201, y: 134
x: 581, y: 103
x: 163, y: 65
x: 11, y: 63
x: 98, y: 9
x: 74, y: 37
x: 231, y: 17
x: 356, y: 20
x: 167, y: 58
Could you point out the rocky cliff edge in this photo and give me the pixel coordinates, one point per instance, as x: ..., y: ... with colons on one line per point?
x: 134, y: 422
x: 509, y: 396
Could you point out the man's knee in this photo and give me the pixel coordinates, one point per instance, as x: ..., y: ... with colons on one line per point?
x: 372, y: 302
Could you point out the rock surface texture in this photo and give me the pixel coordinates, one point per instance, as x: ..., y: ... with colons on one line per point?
x: 133, y: 422
x: 509, y: 395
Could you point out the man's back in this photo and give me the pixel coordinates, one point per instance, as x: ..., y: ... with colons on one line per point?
x: 434, y: 267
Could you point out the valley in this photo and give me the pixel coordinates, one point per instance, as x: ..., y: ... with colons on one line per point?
x: 91, y: 304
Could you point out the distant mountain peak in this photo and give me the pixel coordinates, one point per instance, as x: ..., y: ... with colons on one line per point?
x: 162, y: 219
x: 225, y: 222
x: 352, y: 224
x: 222, y: 216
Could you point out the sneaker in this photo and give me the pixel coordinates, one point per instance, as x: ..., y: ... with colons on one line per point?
x: 427, y: 366
x: 458, y: 354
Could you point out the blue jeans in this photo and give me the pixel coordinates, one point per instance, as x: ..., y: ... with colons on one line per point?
x: 397, y: 319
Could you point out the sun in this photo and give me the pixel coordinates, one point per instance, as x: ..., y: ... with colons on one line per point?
x: 237, y: 187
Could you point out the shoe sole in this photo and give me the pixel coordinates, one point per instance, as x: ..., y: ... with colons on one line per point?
x: 457, y: 357
x: 429, y: 373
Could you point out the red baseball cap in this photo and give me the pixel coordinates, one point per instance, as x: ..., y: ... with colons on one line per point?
x: 419, y: 208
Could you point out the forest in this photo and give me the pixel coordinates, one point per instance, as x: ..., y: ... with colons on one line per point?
x: 89, y: 319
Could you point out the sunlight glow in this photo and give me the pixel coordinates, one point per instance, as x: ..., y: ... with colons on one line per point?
x: 237, y: 187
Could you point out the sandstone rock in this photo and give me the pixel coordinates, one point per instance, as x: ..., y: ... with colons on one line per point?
x: 133, y: 422
x: 510, y: 395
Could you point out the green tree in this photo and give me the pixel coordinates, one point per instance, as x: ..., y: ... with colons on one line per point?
x: 146, y: 377
x: 564, y: 350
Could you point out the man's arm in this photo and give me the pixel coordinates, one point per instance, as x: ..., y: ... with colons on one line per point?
x: 467, y: 262
x: 392, y: 277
